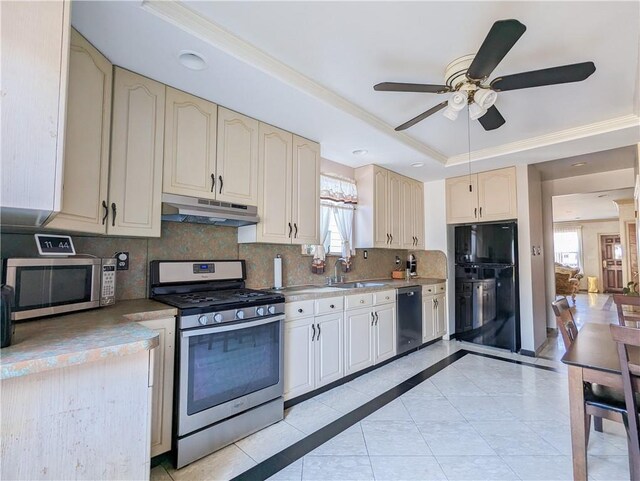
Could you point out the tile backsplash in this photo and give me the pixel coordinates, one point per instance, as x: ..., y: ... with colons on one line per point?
x: 199, y: 241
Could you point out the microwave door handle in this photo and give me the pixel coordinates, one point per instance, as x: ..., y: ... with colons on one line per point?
x: 231, y: 327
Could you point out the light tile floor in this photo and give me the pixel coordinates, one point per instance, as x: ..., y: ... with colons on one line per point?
x: 477, y: 419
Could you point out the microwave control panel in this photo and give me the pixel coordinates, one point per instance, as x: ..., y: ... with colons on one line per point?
x: 108, y: 291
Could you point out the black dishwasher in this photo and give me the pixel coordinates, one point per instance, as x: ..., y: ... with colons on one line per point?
x: 409, y: 321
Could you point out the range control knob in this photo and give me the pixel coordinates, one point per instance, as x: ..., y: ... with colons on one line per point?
x: 239, y: 314
x: 260, y: 311
x: 203, y: 320
x: 272, y: 309
x: 217, y: 317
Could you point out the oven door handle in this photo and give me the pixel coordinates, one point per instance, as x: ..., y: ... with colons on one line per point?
x: 230, y: 327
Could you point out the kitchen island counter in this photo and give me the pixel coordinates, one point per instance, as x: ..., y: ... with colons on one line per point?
x: 66, y: 340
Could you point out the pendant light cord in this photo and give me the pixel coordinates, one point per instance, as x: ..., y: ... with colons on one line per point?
x: 469, y: 144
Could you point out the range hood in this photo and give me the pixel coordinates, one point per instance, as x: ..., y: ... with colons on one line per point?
x: 181, y: 208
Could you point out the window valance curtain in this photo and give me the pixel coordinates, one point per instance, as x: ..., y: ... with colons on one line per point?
x: 338, y: 190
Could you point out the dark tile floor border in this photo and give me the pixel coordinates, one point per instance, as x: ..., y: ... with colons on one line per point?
x: 291, y: 454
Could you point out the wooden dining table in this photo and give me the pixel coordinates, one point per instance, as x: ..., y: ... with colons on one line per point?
x: 593, y: 357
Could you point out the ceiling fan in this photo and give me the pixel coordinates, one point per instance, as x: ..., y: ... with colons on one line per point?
x: 466, y: 79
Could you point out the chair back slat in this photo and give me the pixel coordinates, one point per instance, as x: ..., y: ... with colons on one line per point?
x: 565, y: 322
x: 627, y: 337
x: 627, y: 318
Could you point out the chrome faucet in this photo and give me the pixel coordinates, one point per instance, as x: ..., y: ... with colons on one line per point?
x: 336, y: 276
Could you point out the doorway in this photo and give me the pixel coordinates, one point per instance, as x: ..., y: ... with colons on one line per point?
x: 611, y: 251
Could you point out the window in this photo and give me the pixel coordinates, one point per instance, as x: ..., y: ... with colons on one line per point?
x: 334, y: 241
x: 567, y: 246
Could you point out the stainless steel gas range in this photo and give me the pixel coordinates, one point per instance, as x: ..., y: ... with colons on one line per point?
x: 229, y: 356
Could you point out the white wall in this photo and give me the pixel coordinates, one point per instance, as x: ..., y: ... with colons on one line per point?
x: 591, y: 232
x: 435, y: 216
x: 615, y: 179
x: 330, y: 167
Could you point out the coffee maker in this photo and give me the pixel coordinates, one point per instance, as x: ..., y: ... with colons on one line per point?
x: 412, y: 265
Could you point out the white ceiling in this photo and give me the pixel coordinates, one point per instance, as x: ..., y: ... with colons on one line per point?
x: 591, y: 206
x: 309, y: 67
x: 605, y: 161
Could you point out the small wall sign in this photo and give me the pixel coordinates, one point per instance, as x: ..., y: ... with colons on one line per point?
x: 54, y: 245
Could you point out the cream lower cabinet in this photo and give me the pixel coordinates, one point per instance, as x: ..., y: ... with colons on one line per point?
x: 434, y: 317
x: 313, y: 352
x: 288, y: 190
x: 483, y: 197
x: 370, y: 332
x: 162, y: 389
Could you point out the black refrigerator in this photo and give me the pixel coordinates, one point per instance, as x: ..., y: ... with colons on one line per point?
x: 486, y: 281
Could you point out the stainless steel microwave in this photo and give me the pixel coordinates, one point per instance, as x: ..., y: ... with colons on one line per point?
x: 47, y: 286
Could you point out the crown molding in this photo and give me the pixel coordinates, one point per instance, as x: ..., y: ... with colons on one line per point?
x: 575, y: 133
x: 212, y: 33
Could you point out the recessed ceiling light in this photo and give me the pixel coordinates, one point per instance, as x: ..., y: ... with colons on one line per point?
x: 192, y: 60
x: 578, y: 164
x: 360, y: 152
x: 417, y: 164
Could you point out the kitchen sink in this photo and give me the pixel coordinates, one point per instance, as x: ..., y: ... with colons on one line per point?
x: 355, y: 285
x: 310, y: 289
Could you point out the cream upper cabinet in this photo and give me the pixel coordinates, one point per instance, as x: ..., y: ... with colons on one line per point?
x: 189, y: 145
x: 135, y: 185
x: 394, y: 217
x: 305, y: 213
x: 417, y: 197
x: 86, y: 153
x: 35, y: 43
x: 390, y: 210
x: 487, y: 196
x: 237, y: 162
x: 497, y: 195
x: 275, y: 177
x: 288, y: 190
x: 462, y: 199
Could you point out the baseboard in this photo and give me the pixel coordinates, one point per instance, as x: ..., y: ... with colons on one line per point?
x: 527, y: 352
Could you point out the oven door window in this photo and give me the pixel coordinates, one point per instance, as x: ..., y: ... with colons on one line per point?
x: 226, y: 365
x: 38, y: 287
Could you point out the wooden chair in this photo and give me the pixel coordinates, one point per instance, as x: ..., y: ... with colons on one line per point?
x: 628, y: 317
x: 625, y: 337
x: 569, y: 331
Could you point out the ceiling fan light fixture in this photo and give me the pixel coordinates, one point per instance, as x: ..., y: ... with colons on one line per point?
x: 457, y: 101
x: 450, y: 113
x: 485, y: 98
x: 475, y: 111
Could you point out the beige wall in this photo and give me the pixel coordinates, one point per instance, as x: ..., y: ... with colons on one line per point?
x: 591, y: 232
x: 330, y: 167
x: 198, y: 242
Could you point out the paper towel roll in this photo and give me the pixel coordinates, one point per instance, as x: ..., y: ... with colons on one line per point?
x: 277, y: 272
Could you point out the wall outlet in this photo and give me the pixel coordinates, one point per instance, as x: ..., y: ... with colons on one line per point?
x: 398, y: 260
x: 365, y: 254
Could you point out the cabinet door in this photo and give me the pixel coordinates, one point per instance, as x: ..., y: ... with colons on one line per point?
x: 329, y: 352
x: 237, y: 158
x: 135, y: 179
x: 417, y: 196
x: 380, y: 208
x: 306, y: 192
x: 189, y: 145
x: 385, y: 328
x: 275, y: 174
x: 394, y: 220
x: 462, y: 199
x: 428, y: 319
x: 86, y: 152
x: 441, y: 316
x: 497, y: 195
x: 162, y: 389
x: 407, y: 210
x: 358, y: 339
x: 299, y: 357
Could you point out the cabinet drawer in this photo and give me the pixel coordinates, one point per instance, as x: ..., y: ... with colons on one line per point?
x: 329, y: 305
x: 428, y: 290
x: 298, y: 309
x: 441, y: 287
x: 384, y: 297
x: 356, y: 301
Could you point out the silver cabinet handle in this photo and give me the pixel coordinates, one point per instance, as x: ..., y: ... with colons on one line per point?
x: 313, y: 326
x: 318, y: 332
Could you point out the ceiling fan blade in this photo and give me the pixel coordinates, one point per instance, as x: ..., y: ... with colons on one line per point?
x: 422, y: 116
x: 548, y: 76
x: 404, y: 87
x: 502, y: 36
x: 492, y: 119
